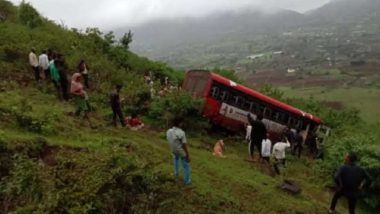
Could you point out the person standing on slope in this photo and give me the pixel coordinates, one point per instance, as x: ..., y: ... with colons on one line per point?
x: 116, y: 106
x: 266, y: 149
x: 349, y: 179
x: 43, y: 62
x: 258, y: 133
x: 83, y: 70
x: 33, y: 61
x: 298, y: 146
x: 54, y: 75
x: 63, y: 80
x: 79, y: 95
x: 178, y: 145
x: 279, y: 153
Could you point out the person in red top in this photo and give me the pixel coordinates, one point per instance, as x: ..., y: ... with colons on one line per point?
x: 134, y: 122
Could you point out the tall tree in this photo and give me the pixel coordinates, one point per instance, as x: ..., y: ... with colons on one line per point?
x: 126, y: 39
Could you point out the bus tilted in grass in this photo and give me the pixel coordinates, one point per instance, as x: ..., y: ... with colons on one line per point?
x: 227, y: 104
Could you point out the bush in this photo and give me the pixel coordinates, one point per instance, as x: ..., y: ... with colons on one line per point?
x: 178, y: 104
x: 7, y: 11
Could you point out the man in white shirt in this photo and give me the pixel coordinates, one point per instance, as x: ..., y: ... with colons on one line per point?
x: 279, y: 153
x: 248, y: 130
x: 33, y: 61
x: 43, y: 62
x: 265, y: 149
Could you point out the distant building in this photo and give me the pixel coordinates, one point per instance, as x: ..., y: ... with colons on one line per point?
x: 255, y: 56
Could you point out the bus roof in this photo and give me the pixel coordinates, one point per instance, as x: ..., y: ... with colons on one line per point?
x: 265, y: 98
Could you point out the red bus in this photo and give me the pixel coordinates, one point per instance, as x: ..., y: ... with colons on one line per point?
x: 228, y: 103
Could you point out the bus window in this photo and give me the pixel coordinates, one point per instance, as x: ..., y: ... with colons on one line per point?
x: 268, y: 113
x: 254, y: 108
x: 247, y: 105
x: 277, y: 116
x: 285, y: 118
x: 291, y: 122
x: 214, y: 92
x: 239, y: 102
x: 224, y: 96
x: 298, y: 124
x: 260, y: 110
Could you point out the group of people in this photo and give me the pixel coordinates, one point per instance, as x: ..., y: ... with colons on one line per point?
x: 258, y: 136
x: 349, y: 179
x: 51, y: 67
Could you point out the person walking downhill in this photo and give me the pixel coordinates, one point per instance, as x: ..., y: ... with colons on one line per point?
x: 54, y: 75
x: 178, y: 145
x: 79, y: 95
x: 83, y: 70
x: 349, y: 179
x: 279, y: 153
x: 116, y: 106
x: 43, y: 62
x: 258, y: 133
x: 33, y: 61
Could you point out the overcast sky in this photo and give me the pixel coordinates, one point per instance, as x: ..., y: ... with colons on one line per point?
x: 108, y: 14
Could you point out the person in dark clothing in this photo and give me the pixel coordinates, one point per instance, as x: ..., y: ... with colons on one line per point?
x: 64, y: 82
x: 298, y: 143
x: 258, y: 133
x: 349, y: 180
x: 83, y: 69
x: 116, y: 106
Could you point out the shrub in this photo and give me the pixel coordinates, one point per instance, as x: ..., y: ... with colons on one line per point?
x: 7, y: 11
x: 29, y: 16
x: 178, y: 104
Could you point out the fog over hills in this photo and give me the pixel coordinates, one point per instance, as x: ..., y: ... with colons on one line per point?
x: 163, y: 39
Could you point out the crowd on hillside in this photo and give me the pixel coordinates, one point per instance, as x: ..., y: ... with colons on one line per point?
x: 50, y: 67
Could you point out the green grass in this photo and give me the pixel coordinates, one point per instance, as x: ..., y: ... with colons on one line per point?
x: 366, y: 100
x: 229, y: 185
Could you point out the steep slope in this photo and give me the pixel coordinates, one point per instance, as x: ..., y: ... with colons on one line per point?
x: 54, y: 162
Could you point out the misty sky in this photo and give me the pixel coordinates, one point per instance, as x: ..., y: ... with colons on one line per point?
x: 108, y: 14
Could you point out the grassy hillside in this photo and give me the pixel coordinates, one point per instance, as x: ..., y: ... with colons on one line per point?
x: 71, y: 167
x: 54, y: 162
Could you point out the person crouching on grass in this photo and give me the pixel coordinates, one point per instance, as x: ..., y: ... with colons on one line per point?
x: 178, y: 146
x: 218, y: 149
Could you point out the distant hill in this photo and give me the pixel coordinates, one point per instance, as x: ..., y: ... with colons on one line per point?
x: 170, y: 33
x: 228, y: 33
x: 345, y: 11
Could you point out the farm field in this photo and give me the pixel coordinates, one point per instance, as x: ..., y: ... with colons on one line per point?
x: 366, y: 100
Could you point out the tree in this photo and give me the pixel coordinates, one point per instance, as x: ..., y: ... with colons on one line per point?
x: 109, y: 38
x: 29, y: 16
x: 126, y: 39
